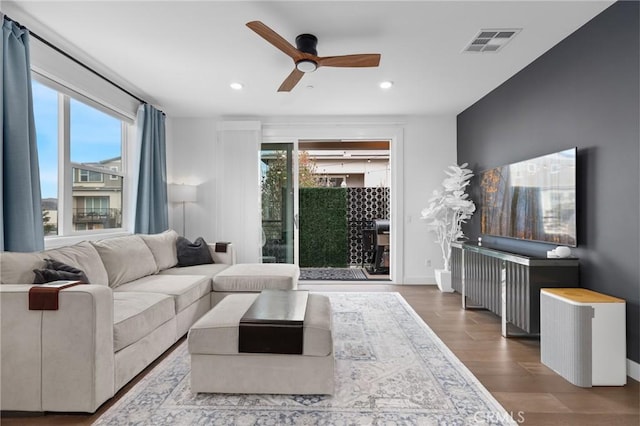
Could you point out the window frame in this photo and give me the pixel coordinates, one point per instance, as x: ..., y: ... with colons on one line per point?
x: 113, y: 176
x: 88, y: 174
x: 66, y: 166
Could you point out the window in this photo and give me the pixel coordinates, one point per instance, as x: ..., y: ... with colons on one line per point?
x: 93, y: 212
x: 96, y: 204
x: 114, y: 177
x: 45, y: 107
x: 88, y: 176
x: 80, y: 148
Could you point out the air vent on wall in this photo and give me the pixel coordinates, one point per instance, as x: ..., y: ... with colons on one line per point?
x: 491, y: 40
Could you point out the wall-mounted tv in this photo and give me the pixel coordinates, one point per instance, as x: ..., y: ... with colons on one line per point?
x: 532, y: 200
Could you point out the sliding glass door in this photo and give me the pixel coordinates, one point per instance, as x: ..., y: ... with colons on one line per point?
x: 335, y: 191
x: 279, y: 196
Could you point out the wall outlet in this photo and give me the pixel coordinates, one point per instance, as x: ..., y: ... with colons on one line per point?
x: 427, y: 262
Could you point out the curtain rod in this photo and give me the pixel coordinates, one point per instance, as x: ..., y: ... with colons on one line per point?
x: 83, y: 65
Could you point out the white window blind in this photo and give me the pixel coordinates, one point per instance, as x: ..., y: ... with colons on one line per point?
x: 73, y: 80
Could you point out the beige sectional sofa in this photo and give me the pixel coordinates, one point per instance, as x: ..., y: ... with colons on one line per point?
x: 138, y: 303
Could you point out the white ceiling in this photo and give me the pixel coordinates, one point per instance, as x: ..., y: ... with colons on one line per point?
x: 181, y: 56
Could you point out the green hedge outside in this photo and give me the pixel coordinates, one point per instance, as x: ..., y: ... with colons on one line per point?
x: 323, y: 227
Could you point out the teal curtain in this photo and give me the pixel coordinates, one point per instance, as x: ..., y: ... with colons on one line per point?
x: 21, y: 214
x: 152, y: 212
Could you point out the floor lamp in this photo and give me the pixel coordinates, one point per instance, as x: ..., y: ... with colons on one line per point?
x: 183, y: 194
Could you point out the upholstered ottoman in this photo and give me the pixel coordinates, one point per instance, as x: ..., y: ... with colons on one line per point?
x: 253, y: 278
x: 218, y: 366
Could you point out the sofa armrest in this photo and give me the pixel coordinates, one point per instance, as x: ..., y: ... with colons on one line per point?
x: 56, y: 360
x: 226, y: 258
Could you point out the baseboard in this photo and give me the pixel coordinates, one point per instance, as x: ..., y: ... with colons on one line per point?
x: 419, y: 280
x: 633, y: 370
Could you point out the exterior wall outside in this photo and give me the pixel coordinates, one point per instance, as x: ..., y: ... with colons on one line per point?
x: 358, y: 173
x: 96, y: 204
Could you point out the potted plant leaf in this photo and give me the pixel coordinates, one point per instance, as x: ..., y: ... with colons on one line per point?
x: 449, y: 207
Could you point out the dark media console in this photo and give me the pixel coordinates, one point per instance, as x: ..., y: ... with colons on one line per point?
x: 508, y: 284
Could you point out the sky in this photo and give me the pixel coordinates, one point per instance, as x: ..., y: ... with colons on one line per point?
x: 95, y: 136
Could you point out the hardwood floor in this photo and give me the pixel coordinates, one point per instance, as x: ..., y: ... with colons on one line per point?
x: 509, y: 368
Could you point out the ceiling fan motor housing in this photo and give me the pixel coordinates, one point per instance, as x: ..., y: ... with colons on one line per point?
x: 307, y: 43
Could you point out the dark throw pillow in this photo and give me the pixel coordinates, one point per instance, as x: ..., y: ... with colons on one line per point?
x: 55, y: 271
x: 192, y: 253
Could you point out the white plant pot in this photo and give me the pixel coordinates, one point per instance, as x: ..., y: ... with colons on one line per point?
x: 443, y: 279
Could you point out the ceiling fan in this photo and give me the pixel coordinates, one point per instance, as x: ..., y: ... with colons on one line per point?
x: 306, y: 57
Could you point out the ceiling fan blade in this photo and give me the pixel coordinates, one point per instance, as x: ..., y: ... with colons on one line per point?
x: 290, y: 82
x: 274, y: 38
x: 363, y: 60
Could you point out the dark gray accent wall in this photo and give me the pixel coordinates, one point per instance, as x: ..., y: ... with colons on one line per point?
x: 584, y: 92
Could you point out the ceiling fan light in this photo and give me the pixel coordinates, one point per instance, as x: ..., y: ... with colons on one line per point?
x: 306, y: 65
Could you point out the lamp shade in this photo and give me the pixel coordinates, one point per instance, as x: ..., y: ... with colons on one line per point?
x: 182, y: 193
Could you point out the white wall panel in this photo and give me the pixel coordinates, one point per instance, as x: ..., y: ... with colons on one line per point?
x: 238, y: 209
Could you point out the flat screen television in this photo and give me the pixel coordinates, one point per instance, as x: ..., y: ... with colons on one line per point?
x: 532, y: 200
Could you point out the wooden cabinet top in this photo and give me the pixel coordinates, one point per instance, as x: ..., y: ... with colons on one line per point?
x: 582, y: 295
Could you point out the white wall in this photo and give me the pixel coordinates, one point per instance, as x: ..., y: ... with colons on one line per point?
x: 429, y: 146
x: 191, y: 148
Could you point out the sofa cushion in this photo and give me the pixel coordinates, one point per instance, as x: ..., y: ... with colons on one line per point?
x: 126, y: 259
x: 255, y: 277
x: 17, y: 268
x: 84, y: 257
x: 208, y: 269
x: 163, y: 248
x: 193, y: 253
x: 135, y: 315
x: 185, y: 289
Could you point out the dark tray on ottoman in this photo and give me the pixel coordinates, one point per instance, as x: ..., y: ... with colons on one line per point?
x: 274, y: 323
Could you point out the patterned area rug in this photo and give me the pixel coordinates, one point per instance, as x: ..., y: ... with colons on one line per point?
x: 391, y: 369
x: 337, y: 274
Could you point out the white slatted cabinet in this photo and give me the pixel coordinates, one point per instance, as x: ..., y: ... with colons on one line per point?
x: 583, y: 336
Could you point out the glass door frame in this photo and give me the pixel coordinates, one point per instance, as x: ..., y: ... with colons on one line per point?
x: 294, y: 178
x: 392, y: 131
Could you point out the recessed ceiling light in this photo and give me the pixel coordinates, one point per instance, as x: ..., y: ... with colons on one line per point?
x: 236, y: 86
x: 386, y: 84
